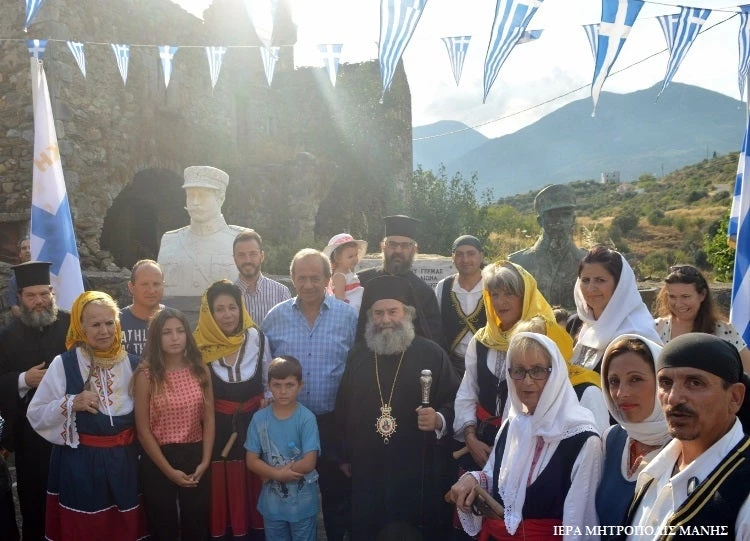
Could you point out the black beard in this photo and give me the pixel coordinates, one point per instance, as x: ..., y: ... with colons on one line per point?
x: 33, y: 318
x: 397, y: 267
x: 389, y: 342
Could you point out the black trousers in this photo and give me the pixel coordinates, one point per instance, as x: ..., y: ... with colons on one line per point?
x: 335, y: 487
x: 162, y: 497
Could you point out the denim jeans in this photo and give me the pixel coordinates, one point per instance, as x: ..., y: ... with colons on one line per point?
x: 281, y: 530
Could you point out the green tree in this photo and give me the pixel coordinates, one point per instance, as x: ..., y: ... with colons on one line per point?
x: 718, y: 251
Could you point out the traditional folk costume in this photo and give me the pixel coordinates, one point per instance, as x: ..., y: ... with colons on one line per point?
x: 625, y: 313
x: 545, y: 466
x: 620, y: 447
x: 22, y: 347
x: 238, y: 390
x: 93, y: 480
x: 396, y: 468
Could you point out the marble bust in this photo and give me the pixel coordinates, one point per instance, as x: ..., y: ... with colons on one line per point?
x: 554, y: 259
x: 196, y: 255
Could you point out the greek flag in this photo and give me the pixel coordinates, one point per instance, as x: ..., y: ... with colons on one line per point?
x: 511, y: 19
x: 36, y: 48
x: 668, y: 24
x: 166, y: 54
x: 398, y: 19
x: 77, y: 49
x: 683, y: 31
x: 52, y: 236
x: 331, y: 54
x: 32, y: 6
x: 618, y: 17
x: 592, y: 33
x: 739, y: 236
x: 744, y: 46
x: 269, y: 56
x: 122, y: 55
x: 215, y: 58
x: 262, y: 14
x: 457, y: 47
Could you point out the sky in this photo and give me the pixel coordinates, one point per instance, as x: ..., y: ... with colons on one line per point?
x: 536, y: 72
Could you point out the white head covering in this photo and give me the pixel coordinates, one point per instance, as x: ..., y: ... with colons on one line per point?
x: 653, y: 430
x: 624, y: 313
x: 557, y: 416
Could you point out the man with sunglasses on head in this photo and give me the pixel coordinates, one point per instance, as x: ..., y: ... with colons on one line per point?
x: 399, y: 249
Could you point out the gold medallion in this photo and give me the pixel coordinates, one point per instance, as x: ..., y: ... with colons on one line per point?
x: 385, y: 424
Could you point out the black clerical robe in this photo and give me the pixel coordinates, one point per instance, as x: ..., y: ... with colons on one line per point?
x: 21, y: 348
x: 429, y: 322
x: 397, y: 482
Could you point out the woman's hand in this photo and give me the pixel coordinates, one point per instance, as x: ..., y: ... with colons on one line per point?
x: 479, y: 450
x: 462, y: 493
x: 181, y: 479
x: 198, y: 473
x: 86, y: 401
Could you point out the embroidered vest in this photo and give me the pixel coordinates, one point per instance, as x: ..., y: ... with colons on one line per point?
x: 491, y: 391
x: 455, y: 323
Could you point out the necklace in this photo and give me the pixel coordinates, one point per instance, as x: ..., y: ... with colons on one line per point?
x: 638, y: 452
x: 385, y: 425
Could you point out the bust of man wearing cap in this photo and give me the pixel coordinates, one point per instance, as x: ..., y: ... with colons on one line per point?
x: 195, y: 256
x: 554, y: 259
x: 701, y: 479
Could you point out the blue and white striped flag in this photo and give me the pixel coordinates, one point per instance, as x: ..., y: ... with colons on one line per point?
x: 684, y: 31
x: 215, y: 58
x: 32, y: 7
x: 52, y: 235
x: 511, y: 19
x: 36, y: 48
x: 262, y: 14
x: 530, y: 35
x: 457, y: 47
x: 166, y: 54
x: 618, y: 17
x: 744, y: 46
x: 668, y: 23
x: 592, y: 34
x: 739, y: 236
x: 77, y: 49
x: 122, y: 55
x: 269, y: 56
x: 331, y: 53
x: 398, y: 19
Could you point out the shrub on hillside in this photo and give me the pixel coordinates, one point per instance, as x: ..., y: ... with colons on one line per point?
x: 718, y: 252
x: 626, y: 221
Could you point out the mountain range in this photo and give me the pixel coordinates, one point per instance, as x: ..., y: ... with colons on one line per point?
x: 631, y: 133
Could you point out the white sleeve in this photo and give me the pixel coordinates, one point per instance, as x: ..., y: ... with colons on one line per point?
x: 23, y: 388
x: 579, y: 509
x: 742, y: 526
x: 439, y: 291
x: 465, y: 405
x: 50, y: 412
x: 593, y: 400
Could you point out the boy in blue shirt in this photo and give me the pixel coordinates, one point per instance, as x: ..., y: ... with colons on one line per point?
x: 282, y: 448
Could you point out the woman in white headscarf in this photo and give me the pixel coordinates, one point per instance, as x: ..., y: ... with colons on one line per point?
x: 546, y: 462
x: 609, y: 304
x: 629, y: 387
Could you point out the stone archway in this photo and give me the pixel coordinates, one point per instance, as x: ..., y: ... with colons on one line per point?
x: 147, y: 207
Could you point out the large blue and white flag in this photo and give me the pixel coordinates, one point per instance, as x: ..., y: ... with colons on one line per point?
x: 331, y: 54
x: 511, y: 19
x: 166, y: 54
x: 739, y: 235
x: 618, y: 17
x: 122, y: 55
x: 269, y: 56
x: 36, y: 48
x: 684, y: 31
x: 32, y: 7
x: 398, y: 19
x: 668, y: 23
x: 215, y: 58
x: 262, y: 14
x: 744, y: 47
x: 76, y: 48
x: 592, y: 34
x: 52, y: 235
x: 457, y: 47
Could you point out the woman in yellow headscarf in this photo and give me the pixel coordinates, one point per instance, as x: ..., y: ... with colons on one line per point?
x: 83, y: 406
x: 238, y: 358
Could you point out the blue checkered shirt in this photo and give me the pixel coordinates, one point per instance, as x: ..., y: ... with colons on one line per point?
x: 322, y: 350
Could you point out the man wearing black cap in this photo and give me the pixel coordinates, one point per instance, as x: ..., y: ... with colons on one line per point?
x: 27, y: 346
x: 460, y: 299
x: 399, y: 249
x: 701, y: 479
x: 389, y: 439
x: 554, y: 259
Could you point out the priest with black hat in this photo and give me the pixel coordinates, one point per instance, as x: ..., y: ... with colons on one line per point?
x: 399, y: 248
x: 394, y: 403
x: 27, y: 345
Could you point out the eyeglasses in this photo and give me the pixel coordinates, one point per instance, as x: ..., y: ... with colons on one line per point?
x: 537, y: 373
x: 393, y: 245
x: 687, y: 270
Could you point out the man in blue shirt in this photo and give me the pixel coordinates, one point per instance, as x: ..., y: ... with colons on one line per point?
x: 319, y: 330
